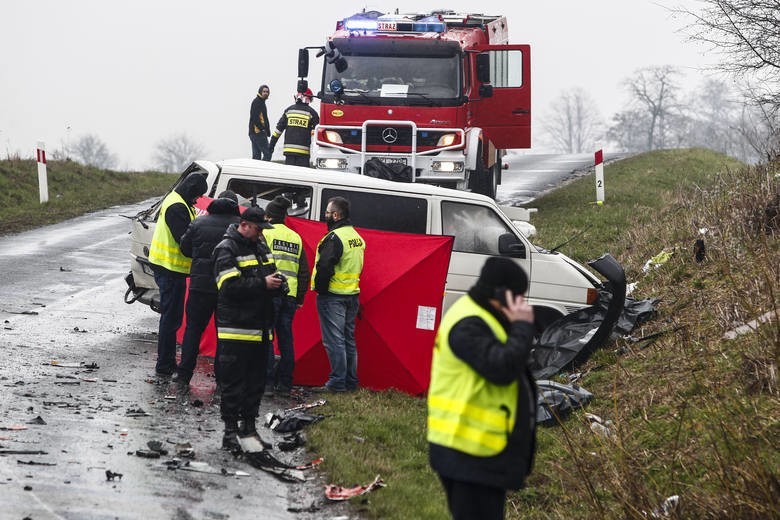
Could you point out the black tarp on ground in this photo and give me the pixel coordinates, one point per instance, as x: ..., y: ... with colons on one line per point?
x: 565, y: 344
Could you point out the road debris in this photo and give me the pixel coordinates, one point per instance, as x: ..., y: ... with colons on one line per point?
x: 23, y: 452
x: 35, y: 463
x: 335, y: 493
x: 110, y: 475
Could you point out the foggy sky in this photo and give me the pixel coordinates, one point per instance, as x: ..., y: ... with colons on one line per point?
x: 133, y: 73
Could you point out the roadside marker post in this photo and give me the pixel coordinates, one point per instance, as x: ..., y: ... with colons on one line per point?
x: 43, y: 185
x: 600, y: 177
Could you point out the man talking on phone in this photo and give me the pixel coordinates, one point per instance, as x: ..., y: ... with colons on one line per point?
x: 482, y: 398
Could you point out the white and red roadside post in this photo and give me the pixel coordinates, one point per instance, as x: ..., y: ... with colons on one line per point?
x: 600, y: 177
x: 43, y: 185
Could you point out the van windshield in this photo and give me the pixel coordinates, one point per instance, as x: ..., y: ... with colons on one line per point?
x: 476, y: 228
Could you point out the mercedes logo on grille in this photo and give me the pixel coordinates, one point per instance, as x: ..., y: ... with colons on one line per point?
x: 389, y: 135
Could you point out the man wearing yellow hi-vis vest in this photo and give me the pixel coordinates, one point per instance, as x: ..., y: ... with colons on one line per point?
x: 170, y: 266
x: 482, y: 397
x: 336, y: 279
x: 287, y: 247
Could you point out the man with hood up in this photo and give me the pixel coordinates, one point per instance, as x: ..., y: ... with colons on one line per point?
x: 198, y: 243
x: 482, y: 397
x: 170, y: 265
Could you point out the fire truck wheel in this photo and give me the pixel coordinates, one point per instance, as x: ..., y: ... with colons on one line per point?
x: 483, y: 180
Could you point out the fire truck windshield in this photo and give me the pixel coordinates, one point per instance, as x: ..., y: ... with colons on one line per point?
x: 402, y: 80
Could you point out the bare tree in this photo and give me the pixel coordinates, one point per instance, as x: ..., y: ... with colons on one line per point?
x: 747, y: 34
x: 176, y: 152
x: 90, y: 150
x: 652, y: 112
x: 574, y: 124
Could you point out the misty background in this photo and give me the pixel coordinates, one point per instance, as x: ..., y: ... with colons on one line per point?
x: 153, y: 85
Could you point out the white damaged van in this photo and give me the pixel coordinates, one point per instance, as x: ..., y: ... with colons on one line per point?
x: 558, y: 285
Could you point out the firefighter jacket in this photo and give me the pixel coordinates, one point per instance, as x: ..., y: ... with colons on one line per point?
x: 287, y: 248
x: 482, y: 399
x: 203, y: 234
x: 176, y: 213
x: 258, y: 117
x: 298, y: 121
x: 245, y: 309
x: 339, y: 261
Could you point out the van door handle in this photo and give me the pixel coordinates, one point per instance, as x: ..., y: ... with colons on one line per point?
x: 521, y: 111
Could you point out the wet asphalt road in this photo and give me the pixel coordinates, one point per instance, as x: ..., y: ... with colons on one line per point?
x: 61, y: 301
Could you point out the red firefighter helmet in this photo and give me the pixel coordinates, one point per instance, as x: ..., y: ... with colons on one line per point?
x: 305, y: 96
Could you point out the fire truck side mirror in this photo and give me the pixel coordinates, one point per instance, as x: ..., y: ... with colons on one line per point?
x: 303, y: 63
x: 483, y: 67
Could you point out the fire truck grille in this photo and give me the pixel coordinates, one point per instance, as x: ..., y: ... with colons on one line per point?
x: 390, y: 136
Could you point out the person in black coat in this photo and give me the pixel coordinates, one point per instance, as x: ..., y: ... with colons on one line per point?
x: 299, y: 121
x: 247, y: 281
x: 198, y: 243
x: 259, y: 128
x: 482, y: 397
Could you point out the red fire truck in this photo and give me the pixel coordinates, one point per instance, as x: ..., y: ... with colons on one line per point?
x: 434, y: 97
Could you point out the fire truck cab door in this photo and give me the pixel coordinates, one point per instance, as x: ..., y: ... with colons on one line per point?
x: 505, y: 117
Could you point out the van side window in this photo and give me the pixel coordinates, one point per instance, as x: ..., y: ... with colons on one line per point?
x: 380, y: 211
x: 476, y: 228
x: 264, y: 192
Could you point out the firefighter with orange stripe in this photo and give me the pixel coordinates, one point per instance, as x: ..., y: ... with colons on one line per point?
x: 299, y: 121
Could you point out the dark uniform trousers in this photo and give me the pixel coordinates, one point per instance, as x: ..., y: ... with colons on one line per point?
x: 470, y: 501
x: 200, y: 308
x: 295, y: 159
x: 242, y: 373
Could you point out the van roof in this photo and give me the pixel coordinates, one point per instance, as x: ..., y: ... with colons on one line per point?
x: 336, y: 178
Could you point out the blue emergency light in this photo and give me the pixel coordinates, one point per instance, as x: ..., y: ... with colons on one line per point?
x: 395, y: 23
x: 360, y: 24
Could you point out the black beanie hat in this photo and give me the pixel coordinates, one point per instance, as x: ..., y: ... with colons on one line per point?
x: 277, y: 208
x: 228, y: 194
x: 501, y: 273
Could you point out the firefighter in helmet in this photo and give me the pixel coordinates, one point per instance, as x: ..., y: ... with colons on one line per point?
x: 299, y: 120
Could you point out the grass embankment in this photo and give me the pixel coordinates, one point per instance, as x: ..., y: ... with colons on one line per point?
x: 693, y: 414
x: 74, y: 189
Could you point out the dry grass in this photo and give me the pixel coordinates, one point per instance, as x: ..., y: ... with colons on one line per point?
x: 695, y: 415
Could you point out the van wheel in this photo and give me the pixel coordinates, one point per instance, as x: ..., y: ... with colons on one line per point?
x: 543, y: 317
x: 483, y: 180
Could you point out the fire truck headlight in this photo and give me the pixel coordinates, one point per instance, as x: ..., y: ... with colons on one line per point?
x: 447, y: 166
x: 332, y: 164
x: 447, y: 140
x: 333, y: 137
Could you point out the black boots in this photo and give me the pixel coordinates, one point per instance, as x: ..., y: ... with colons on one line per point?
x: 230, y: 437
x: 248, y: 438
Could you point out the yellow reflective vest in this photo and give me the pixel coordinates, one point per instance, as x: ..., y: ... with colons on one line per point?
x: 346, y: 275
x: 164, y: 250
x: 466, y: 412
x: 287, y: 247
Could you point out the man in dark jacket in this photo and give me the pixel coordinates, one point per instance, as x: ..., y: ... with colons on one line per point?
x: 482, y: 397
x: 246, y: 281
x: 259, y: 128
x: 299, y: 120
x: 290, y: 258
x: 170, y: 265
x: 198, y: 243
